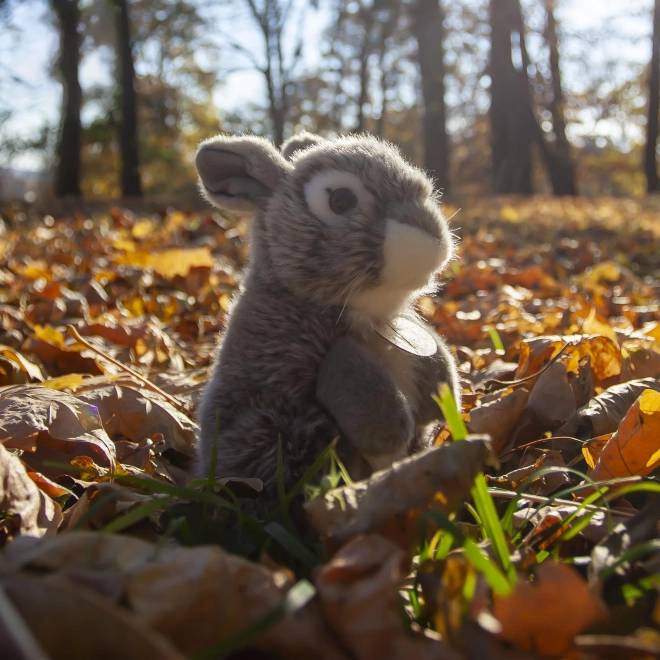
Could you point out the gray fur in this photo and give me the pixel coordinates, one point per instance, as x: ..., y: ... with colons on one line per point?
x: 299, y: 142
x: 297, y: 361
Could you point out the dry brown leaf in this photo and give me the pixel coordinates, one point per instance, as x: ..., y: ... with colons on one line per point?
x: 14, y: 360
x: 118, y: 501
x: 72, y: 622
x: 635, y: 447
x: 359, y: 597
x: 545, y: 615
x: 592, y: 449
x: 195, y: 597
x: 55, y: 425
x: 390, y: 502
x: 552, y: 400
x: 498, y: 416
x: 605, y: 356
x: 139, y: 414
x: 19, y: 495
x: 605, y: 411
x: 640, y: 362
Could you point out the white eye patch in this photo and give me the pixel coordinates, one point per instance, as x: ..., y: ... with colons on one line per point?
x: 319, y: 187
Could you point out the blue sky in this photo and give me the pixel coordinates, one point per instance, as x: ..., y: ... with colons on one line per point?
x: 28, y: 51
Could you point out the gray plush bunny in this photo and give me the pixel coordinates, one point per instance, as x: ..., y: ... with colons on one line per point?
x: 322, y: 341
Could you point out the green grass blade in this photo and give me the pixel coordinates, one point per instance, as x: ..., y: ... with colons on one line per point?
x: 493, y: 575
x: 135, y: 515
x: 290, y: 544
x: 493, y: 526
x: 507, y: 519
x: 483, y: 501
x: 496, y: 339
x: 95, y: 508
x: 630, y: 555
x: 497, y: 580
x: 444, y: 546
x: 453, y: 418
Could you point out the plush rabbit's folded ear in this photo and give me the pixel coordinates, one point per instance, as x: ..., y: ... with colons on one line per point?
x: 239, y: 173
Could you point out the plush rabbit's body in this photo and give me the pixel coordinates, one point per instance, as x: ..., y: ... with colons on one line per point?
x: 345, y: 236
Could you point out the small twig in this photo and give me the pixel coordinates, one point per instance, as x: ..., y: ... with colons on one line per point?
x: 538, y: 442
x: 147, y: 383
x: 539, y: 499
x: 507, y: 383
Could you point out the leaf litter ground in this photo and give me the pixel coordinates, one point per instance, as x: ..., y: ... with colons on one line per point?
x: 530, y: 530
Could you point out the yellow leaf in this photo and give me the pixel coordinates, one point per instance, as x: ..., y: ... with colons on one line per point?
x: 143, y: 228
x: 635, y: 447
x: 124, y: 244
x: 49, y: 334
x: 70, y: 381
x: 171, y: 263
x: 510, y: 213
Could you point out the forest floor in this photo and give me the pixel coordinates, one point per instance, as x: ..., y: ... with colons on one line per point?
x: 111, y: 548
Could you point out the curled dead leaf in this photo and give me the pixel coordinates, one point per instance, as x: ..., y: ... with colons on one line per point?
x: 498, y: 416
x: 139, y: 414
x: 39, y: 515
x: 195, y: 597
x: 86, y: 625
x: 358, y: 590
x: 391, y: 501
x: 635, y: 447
x: 52, y: 424
x: 605, y: 411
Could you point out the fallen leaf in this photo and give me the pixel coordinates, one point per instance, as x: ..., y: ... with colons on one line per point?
x: 604, y: 412
x: 545, y: 615
x: 497, y: 417
x: 635, y: 447
x: 139, y: 414
x: 52, y: 424
x: 195, y: 597
x: 552, y: 400
x: 19, y: 495
x: 605, y: 356
x: 390, y: 502
x: 13, y: 358
x: 62, y: 616
x: 109, y: 501
x: 358, y: 590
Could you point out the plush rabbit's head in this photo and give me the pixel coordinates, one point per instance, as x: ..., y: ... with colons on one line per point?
x: 345, y: 222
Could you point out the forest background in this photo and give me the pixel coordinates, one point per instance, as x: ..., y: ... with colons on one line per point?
x: 103, y: 98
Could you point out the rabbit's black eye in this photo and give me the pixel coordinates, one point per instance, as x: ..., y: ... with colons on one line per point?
x: 342, y: 200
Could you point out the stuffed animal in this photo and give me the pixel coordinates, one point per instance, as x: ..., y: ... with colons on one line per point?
x: 323, y: 341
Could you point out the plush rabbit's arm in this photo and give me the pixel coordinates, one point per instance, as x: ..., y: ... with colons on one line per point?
x: 365, y: 403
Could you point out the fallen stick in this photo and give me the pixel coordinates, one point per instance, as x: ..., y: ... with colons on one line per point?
x: 147, y: 383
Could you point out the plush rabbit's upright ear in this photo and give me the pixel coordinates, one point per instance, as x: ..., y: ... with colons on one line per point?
x: 239, y: 173
x: 299, y: 142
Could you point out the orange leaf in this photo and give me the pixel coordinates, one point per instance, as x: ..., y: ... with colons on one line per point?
x: 545, y: 615
x: 635, y: 447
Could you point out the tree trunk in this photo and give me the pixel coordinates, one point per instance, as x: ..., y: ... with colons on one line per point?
x: 366, y: 15
x: 67, y: 176
x: 380, y: 124
x: 650, y: 164
x: 560, y: 167
x: 428, y: 29
x: 128, y: 140
x: 510, y: 110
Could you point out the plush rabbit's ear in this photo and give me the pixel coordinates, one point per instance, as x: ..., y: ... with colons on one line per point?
x: 299, y: 142
x: 239, y: 173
